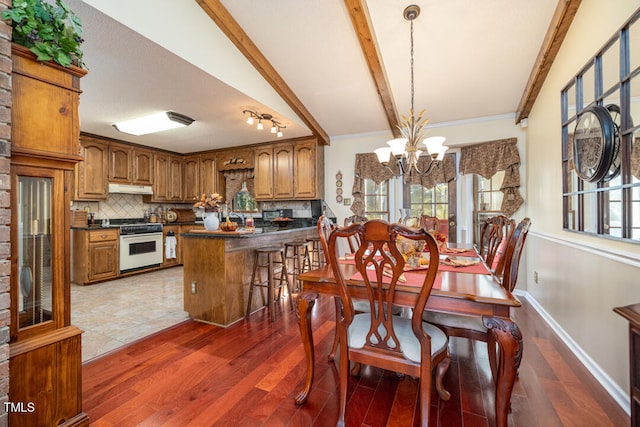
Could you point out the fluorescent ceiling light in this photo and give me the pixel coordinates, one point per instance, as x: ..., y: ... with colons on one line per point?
x: 153, y: 123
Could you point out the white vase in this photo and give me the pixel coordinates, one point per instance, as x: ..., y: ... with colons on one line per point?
x: 211, y: 221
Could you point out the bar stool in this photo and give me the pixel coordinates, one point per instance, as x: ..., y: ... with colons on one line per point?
x: 315, y: 252
x: 270, y: 259
x: 296, y: 254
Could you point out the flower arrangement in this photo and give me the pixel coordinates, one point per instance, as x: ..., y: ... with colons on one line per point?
x: 52, y: 32
x: 209, y: 202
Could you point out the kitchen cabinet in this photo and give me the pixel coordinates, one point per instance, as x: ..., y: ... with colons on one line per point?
x: 283, y: 171
x: 174, y: 177
x: 160, y: 181
x: 95, y: 255
x: 263, y: 173
x: 142, y: 166
x: 289, y: 171
x: 308, y: 171
x: 120, y: 163
x: 191, y: 178
x: 44, y: 351
x: 167, y: 180
x: 90, y: 175
x: 208, y: 174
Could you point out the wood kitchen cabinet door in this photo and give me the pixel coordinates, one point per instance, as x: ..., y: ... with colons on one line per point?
x: 191, y: 178
x: 304, y: 171
x: 283, y: 171
x: 263, y: 173
x: 142, y: 167
x: 160, y: 181
x: 90, y: 175
x: 174, y: 177
x: 208, y: 175
x: 120, y: 163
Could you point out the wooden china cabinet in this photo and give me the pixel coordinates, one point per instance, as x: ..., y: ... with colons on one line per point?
x: 45, y: 349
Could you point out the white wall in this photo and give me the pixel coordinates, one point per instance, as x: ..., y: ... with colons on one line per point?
x: 581, y: 278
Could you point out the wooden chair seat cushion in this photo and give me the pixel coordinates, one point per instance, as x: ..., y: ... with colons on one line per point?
x: 409, y: 344
x: 473, y: 323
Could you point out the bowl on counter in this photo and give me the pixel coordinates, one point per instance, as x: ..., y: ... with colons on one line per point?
x: 228, y: 226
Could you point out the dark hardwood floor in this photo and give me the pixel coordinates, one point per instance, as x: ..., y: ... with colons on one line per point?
x: 196, y: 374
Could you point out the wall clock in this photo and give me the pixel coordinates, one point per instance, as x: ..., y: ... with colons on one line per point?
x: 614, y: 168
x: 594, y: 143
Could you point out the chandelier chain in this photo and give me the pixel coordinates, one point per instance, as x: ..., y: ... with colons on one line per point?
x: 412, y: 111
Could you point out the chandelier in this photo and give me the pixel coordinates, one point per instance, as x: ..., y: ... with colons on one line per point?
x: 276, y: 126
x: 406, y: 149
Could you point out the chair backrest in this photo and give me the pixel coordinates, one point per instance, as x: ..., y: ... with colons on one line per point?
x: 513, y: 254
x: 430, y: 223
x: 354, y: 242
x: 494, y: 236
x: 508, y: 226
x: 379, y: 261
x: 325, y: 228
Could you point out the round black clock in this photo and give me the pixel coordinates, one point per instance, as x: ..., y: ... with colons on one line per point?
x: 614, y: 168
x: 594, y: 143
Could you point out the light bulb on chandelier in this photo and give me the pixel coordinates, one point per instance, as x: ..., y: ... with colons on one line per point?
x: 276, y: 126
x: 405, y: 149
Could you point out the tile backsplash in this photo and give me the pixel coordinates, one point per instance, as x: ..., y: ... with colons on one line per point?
x: 126, y: 206
x: 123, y: 206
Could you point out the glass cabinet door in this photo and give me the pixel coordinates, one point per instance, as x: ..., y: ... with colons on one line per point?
x: 34, y: 251
x: 37, y: 228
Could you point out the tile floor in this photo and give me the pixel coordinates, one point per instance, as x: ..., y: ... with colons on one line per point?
x: 118, y: 312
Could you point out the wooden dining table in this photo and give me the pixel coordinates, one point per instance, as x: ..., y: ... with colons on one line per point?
x: 454, y: 291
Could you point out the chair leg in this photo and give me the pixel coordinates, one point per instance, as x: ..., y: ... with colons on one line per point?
x: 270, y: 293
x: 441, y: 370
x: 334, y: 347
x: 344, y: 377
x: 251, y: 286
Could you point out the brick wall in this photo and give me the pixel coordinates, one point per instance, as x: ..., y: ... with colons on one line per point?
x: 5, y: 208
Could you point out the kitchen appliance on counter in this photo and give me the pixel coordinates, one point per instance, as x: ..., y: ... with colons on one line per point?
x: 140, y: 246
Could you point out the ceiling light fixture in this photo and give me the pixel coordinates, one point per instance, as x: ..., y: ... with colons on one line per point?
x: 276, y: 126
x: 153, y: 123
x: 405, y: 149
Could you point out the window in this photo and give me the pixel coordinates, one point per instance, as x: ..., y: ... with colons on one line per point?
x: 607, y: 206
x: 487, y: 200
x: 376, y: 199
x: 432, y: 202
x: 486, y: 192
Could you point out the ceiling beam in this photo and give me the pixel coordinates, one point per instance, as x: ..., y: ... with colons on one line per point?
x: 362, y: 26
x: 560, y: 23
x: 223, y: 19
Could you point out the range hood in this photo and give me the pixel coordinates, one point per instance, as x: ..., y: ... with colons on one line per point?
x: 130, y: 189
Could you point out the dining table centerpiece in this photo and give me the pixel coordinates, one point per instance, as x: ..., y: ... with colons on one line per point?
x: 208, y: 208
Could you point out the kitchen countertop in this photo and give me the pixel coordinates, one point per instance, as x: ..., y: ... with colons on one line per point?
x: 240, y: 233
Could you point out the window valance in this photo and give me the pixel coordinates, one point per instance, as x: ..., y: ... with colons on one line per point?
x: 487, y: 158
x: 367, y: 166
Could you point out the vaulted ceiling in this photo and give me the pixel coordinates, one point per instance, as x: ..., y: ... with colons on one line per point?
x: 328, y: 68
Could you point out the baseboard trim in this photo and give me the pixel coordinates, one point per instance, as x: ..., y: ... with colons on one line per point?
x: 618, y: 394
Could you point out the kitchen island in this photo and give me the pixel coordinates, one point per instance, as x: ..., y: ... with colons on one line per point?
x: 218, y: 267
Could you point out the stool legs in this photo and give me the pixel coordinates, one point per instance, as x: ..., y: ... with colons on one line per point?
x: 256, y: 280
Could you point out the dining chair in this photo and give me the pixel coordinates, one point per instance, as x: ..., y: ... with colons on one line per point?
x: 494, y: 236
x: 354, y: 243
x: 325, y: 228
x: 472, y: 326
x: 508, y: 226
x: 379, y: 338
